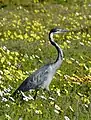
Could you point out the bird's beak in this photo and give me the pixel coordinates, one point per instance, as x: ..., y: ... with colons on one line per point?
x: 64, y: 30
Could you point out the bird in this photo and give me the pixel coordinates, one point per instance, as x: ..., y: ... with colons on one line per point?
x: 42, y: 77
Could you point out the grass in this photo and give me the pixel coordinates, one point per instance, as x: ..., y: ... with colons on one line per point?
x: 24, y: 47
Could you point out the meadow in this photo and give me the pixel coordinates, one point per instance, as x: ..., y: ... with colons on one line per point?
x: 25, y: 47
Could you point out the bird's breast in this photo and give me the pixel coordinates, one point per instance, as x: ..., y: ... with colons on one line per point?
x: 49, y: 78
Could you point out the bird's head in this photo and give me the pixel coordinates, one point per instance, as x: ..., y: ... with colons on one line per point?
x: 57, y: 30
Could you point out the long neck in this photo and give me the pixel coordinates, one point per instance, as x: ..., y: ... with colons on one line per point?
x: 59, y: 59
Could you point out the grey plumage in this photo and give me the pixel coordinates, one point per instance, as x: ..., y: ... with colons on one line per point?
x: 43, y: 76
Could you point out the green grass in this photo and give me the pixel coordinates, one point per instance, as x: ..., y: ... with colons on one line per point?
x: 24, y: 47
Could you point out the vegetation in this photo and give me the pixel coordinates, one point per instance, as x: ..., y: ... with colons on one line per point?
x: 24, y: 47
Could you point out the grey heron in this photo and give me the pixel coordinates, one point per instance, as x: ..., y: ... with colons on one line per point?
x: 42, y: 77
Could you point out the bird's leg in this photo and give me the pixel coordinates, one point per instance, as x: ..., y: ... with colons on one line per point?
x: 48, y: 91
x: 50, y: 95
x: 35, y: 94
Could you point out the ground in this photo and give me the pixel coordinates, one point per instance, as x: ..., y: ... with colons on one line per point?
x: 24, y: 47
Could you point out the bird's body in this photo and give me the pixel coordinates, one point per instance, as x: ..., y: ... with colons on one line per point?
x: 42, y: 77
